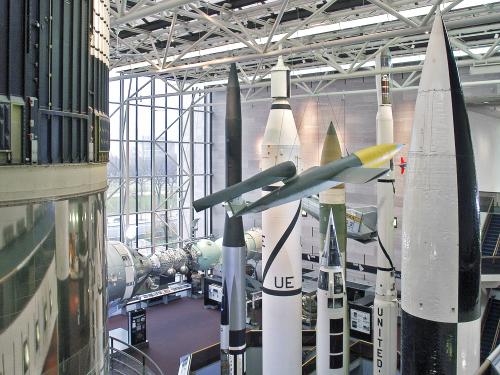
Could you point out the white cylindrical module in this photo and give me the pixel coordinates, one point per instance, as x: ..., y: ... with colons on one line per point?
x: 385, y: 303
x: 253, y: 240
x: 205, y: 254
x: 281, y: 250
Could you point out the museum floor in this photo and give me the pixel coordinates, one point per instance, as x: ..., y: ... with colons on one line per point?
x: 183, y: 326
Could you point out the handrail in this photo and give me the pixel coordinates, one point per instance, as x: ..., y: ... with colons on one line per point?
x: 127, y: 365
x: 140, y: 352
x: 486, y: 313
x: 488, y: 361
x: 487, y: 222
x: 495, y: 339
x: 497, y: 245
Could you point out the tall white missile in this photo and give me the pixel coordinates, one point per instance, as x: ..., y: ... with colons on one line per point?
x: 441, y: 259
x: 332, y: 299
x: 281, y: 251
x: 385, y: 307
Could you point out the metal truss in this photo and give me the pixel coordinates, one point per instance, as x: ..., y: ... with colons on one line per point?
x: 187, y: 43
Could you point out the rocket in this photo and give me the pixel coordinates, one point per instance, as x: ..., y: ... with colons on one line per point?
x: 332, y: 299
x: 233, y: 307
x: 281, y: 249
x: 385, y: 307
x: 333, y: 201
x: 440, y: 248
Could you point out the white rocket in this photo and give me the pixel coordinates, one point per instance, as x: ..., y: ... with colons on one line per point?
x: 331, y: 296
x: 385, y: 307
x: 441, y: 258
x: 281, y: 250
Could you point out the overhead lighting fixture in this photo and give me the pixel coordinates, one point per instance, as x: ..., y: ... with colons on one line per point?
x: 371, y: 63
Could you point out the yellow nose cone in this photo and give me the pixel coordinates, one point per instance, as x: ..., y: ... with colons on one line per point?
x: 375, y: 156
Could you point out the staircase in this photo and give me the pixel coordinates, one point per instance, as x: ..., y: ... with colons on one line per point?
x: 489, y: 246
x: 491, y: 329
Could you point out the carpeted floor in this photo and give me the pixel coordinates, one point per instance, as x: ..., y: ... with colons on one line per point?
x: 183, y: 326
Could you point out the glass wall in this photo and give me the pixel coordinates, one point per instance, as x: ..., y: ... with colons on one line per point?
x: 159, y: 163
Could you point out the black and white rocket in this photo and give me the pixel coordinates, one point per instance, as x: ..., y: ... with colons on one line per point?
x: 332, y: 299
x: 440, y: 250
x: 233, y: 309
x: 281, y: 249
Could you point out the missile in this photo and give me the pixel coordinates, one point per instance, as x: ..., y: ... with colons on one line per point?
x: 358, y: 168
x: 385, y: 307
x: 233, y: 309
x: 332, y: 300
x: 333, y: 201
x: 440, y: 247
x: 281, y: 250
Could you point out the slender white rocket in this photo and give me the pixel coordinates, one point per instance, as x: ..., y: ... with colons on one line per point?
x: 441, y: 259
x: 281, y: 251
x: 385, y: 307
x: 332, y: 298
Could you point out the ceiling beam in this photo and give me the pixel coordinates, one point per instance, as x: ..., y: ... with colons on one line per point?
x: 149, y: 11
x: 467, y: 22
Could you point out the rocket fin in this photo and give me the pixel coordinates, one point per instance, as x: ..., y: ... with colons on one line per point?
x: 359, y: 175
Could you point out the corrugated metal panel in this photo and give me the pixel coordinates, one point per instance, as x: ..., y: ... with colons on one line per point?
x: 56, y: 54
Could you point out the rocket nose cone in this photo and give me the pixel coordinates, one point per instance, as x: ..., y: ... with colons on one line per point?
x: 331, y: 146
x: 233, y: 76
x: 331, y: 252
x: 375, y: 156
x: 331, y: 130
x: 435, y: 73
x: 233, y: 103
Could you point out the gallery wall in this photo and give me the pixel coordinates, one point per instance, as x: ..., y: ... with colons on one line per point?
x: 354, y: 118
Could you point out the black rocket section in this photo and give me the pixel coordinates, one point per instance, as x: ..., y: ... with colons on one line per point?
x: 333, y: 255
x: 233, y: 227
x: 469, y: 277
x: 224, y: 311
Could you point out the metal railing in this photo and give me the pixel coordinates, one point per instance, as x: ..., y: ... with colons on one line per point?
x: 131, y: 360
x: 487, y: 221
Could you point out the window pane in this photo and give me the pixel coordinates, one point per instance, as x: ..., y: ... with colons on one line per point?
x: 114, y: 159
x: 144, y: 194
x: 113, y: 228
x: 144, y: 120
x: 199, y: 126
x: 144, y: 158
x: 113, y: 197
x: 199, y: 158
